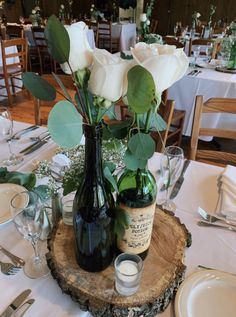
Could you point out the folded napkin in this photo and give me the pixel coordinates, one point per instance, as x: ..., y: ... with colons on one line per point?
x: 60, y: 162
x: 227, y: 191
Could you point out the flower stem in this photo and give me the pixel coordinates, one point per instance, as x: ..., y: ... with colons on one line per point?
x: 147, y: 122
x: 88, y: 107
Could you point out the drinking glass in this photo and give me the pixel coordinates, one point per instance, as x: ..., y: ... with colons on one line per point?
x: 171, y: 166
x: 196, y: 52
x: 175, y: 30
x: 27, y: 212
x: 6, y: 130
x: 209, y: 49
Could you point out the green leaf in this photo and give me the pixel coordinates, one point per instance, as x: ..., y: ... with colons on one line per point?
x: 108, y: 175
x: 156, y: 122
x: 110, y: 165
x: 28, y: 180
x: 119, y: 129
x: 63, y: 88
x: 141, y: 145
x: 65, y: 124
x: 122, y: 222
x: 141, y: 89
x: 38, y: 86
x: 42, y: 191
x: 58, y: 40
x: 132, y: 162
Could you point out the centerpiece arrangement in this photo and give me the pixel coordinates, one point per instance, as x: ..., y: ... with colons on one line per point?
x: 195, y: 20
x: 100, y: 80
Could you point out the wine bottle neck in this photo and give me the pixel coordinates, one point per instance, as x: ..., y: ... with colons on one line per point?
x: 93, y: 156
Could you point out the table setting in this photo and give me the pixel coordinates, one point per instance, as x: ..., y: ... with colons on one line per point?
x: 116, y: 250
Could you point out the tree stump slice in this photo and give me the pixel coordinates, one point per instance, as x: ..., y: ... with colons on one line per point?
x: 162, y: 274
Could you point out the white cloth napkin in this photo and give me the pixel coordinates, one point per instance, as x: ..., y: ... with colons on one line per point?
x: 227, y: 190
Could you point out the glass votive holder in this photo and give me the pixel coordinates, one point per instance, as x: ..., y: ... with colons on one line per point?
x: 128, y: 270
x: 67, y: 207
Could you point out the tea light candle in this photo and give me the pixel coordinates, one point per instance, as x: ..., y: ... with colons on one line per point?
x: 128, y: 271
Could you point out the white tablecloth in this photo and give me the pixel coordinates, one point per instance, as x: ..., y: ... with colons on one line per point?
x: 127, y: 34
x: 209, y: 83
x: 210, y: 247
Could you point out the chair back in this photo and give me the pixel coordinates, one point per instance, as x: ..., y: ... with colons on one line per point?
x: 212, y: 106
x: 153, y: 26
x: 93, y: 25
x: 104, y: 30
x: 171, y: 40
x: 17, y: 60
x: 14, y: 31
x: 199, y: 42
x: 39, y: 37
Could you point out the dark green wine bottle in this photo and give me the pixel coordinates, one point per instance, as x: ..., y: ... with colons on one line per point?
x: 137, y: 196
x: 92, y: 209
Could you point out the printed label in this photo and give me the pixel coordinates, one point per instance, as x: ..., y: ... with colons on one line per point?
x: 137, y: 237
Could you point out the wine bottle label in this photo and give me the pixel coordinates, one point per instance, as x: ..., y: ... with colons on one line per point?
x: 137, y: 237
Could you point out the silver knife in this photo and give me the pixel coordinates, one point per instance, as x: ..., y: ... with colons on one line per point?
x: 12, y: 307
x: 180, y: 181
x: 24, y: 131
x: 36, y: 145
x: 23, y: 308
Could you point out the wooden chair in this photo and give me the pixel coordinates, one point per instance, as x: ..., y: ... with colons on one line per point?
x: 175, y: 132
x: 153, y: 26
x: 212, y: 106
x: 171, y: 40
x: 198, y: 42
x: 105, y: 39
x: 14, y: 31
x: 45, y: 59
x: 14, y: 62
x: 39, y: 105
x: 166, y: 111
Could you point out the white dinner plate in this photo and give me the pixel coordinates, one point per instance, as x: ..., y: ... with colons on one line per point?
x: 7, y: 192
x: 207, y: 293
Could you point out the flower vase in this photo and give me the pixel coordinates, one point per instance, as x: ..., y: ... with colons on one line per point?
x: 137, y: 196
x: 93, y: 219
x: 232, y: 58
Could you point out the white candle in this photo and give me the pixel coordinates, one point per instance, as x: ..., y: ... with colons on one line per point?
x: 128, y: 271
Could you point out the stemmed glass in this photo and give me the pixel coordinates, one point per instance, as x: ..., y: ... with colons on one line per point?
x: 175, y: 30
x: 171, y: 166
x: 209, y: 49
x: 26, y: 208
x: 6, y: 130
x: 196, y: 52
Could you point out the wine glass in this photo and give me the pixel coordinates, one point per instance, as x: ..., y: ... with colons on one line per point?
x: 6, y: 130
x: 175, y: 30
x: 196, y: 52
x: 26, y: 208
x: 171, y: 166
x: 209, y: 49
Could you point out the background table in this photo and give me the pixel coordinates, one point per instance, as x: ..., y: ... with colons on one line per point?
x: 210, y: 247
x: 127, y: 34
x: 209, y: 83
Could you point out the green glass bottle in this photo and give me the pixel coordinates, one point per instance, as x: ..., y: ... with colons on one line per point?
x: 232, y: 59
x: 137, y: 196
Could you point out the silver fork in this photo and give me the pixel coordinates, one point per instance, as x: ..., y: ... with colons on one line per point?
x: 18, y: 262
x: 8, y: 268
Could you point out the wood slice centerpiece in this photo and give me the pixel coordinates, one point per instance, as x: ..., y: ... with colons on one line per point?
x: 162, y: 274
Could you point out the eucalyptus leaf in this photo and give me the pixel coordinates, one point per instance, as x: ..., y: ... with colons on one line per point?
x: 58, y: 40
x: 65, y: 124
x: 141, y: 89
x: 119, y: 129
x: 141, y: 145
x: 156, y: 122
x: 132, y: 162
x: 110, y: 165
x: 108, y: 175
x: 42, y: 191
x: 122, y: 222
x: 39, y: 87
x: 63, y: 88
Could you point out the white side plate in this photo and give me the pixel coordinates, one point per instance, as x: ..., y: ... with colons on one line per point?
x: 208, y: 293
x: 7, y: 192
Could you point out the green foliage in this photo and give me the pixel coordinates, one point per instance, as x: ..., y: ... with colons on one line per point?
x: 58, y: 40
x: 38, y: 86
x: 119, y: 129
x: 126, y: 56
x: 65, y: 124
x: 141, y: 89
x: 122, y: 222
x: 63, y: 88
x: 28, y: 180
x: 141, y: 145
x: 132, y: 162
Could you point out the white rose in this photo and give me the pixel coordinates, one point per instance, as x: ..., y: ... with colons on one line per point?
x: 166, y: 63
x: 81, y: 55
x: 62, y: 6
x: 107, y: 75
x: 148, y: 22
x: 143, y: 17
x: 33, y: 12
x: 198, y: 15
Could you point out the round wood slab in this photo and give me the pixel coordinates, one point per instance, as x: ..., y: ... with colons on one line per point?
x: 163, y: 272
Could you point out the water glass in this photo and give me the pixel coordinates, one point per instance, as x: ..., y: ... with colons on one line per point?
x: 196, y: 52
x: 67, y: 207
x: 128, y: 270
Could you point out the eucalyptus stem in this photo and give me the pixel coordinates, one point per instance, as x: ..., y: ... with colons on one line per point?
x: 147, y: 122
x: 88, y: 108
x: 98, y: 114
